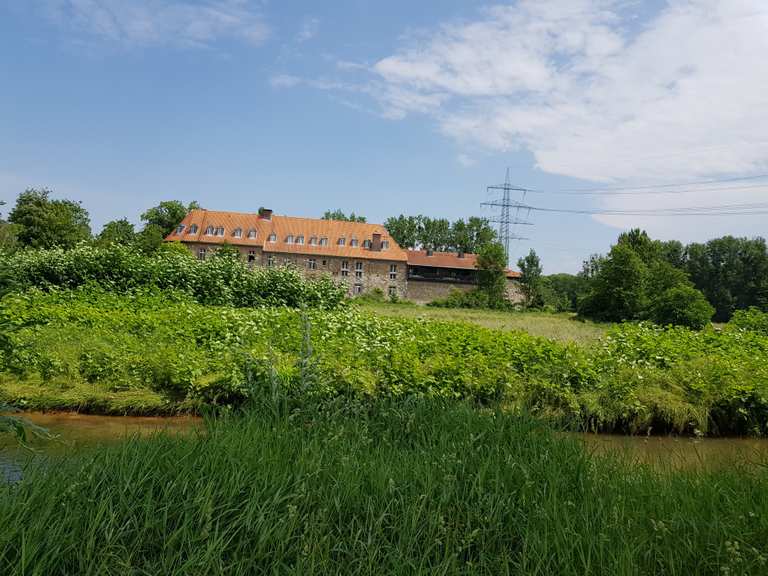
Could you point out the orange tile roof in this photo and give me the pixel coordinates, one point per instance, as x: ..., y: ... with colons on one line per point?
x: 447, y: 260
x: 282, y: 227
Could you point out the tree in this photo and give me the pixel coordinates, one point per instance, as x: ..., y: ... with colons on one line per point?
x: 405, y: 230
x: 117, y: 232
x: 342, y: 217
x: 150, y: 239
x: 530, y: 268
x: 492, y: 273
x: 168, y: 215
x: 471, y: 235
x: 45, y: 223
x: 682, y: 306
x: 435, y: 234
x: 618, y: 289
x: 563, y: 291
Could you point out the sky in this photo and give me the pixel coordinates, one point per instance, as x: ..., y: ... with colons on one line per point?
x: 397, y: 107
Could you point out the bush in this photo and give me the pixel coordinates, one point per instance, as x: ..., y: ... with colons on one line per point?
x: 752, y: 319
x: 217, y: 281
x: 682, y: 306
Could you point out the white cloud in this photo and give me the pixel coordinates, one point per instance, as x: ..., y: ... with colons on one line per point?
x: 162, y: 22
x: 309, y: 30
x: 285, y: 81
x: 465, y: 160
x: 595, y: 94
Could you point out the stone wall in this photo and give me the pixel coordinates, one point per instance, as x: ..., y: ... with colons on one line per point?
x: 425, y: 291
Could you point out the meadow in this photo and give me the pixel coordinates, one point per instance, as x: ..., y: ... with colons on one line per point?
x: 163, y: 352
x: 408, y: 486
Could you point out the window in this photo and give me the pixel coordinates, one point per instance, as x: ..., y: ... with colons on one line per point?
x: 325, y: 262
x: 201, y: 254
x: 354, y: 243
x: 358, y: 288
x: 289, y: 239
x: 272, y: 237
x: 180, y: 228
x: 384, y: 244
x: 219, y: 231
x: 342, y: 241
x: 209, y: 231
x: 323, y: 241
x: 367, y: 244
x: 251, y: 234
x: 238, y: 233
x: 358, y: 269
x: 270, y: 261
x: 299, y: 239
x: 313, y: 241
x: 251, y: 256
x: 393, y: 271
x: 193, y: 229
x: 312, y: 264
x: 393, y: 291
x: 344, y: 268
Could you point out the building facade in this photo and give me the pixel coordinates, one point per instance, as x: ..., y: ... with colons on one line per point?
x: 362, y: 256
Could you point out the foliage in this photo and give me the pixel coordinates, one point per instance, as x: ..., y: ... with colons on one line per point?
x: 414, y: 487
x: 46, y: 223
x: 562, y: 292
x: 342, y: 217
x: 636, y: 379
x: 217, y: 281
x: 116, y: 232
x: 682, y: 306
x: 530, y: 268
x: 752, y: 319
x: 167, y: 215
x: 439, y: 234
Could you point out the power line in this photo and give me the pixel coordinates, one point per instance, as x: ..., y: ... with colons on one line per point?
x: 753, y: 209
x: 650, y: 192
x: 508, y: 223
x: 608, y: 189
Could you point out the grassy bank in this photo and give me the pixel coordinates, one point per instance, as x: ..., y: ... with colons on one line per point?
x: 413, y: 487
x: 162, y: 352
x: 557, y: 326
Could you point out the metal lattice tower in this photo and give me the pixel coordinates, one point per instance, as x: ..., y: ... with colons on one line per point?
x: 509, y: 212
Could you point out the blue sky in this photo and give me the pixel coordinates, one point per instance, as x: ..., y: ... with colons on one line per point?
x: 389, y: 107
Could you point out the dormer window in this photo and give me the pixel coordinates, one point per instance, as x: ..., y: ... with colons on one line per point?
x: 238, y: 233
x: 313, y: 241
x: 384, y: 244
x: 272, y: 237
x: 354, y: 243
x: 289, y: 239
x: 180, y: 228
x: 366, y: 244
x: 299, y: 239
x: 209, y: 231
x: 323, y: 241
x: 342, y: 242
x: 193, y: 229
x: 251, y: 233
x: 219, y: 231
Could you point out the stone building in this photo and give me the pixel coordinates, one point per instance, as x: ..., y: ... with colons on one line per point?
x: 361, y: 255
x: 433, y: 275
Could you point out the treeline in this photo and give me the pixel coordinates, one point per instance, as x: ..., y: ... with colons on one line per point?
x: 440, y: 234
x: 667, y: 282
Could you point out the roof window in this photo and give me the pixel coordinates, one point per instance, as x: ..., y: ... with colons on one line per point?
x: 209, y: 231
x: 252, y: 233
x: 238, y: 233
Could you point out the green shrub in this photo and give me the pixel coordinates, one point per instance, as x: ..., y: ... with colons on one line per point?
x: 752, y: 319
x: 682, y: 306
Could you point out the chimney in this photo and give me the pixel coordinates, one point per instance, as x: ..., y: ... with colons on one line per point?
x: 429, y: 252
x: 265, y: 213
x: 461, y: 254
x: 376, y: 242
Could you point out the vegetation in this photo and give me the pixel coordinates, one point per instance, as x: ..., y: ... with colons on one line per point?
x: 638, y: 378
x: 44, y: 223
x: 414, y: 487
x: 342, y: 217
x: 218, y: 281
x: 439, y: 234
x: 530, y: 279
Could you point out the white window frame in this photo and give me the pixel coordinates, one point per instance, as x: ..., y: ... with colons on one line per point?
x: 193, y: 229
x: 270, y: 261
x: 251, y: 233
x: 341, y: 241
x: 323, y: 241
x: 209, y: 231
x: 312, y: 264
x: 384, y: 244
x: 238, y: 233
x: 392, y: 291
x: 201, y: 253
x: 358, y: 269
x: 289, y: 239
x: 300, y: 239
x: 354, y: 243
x: 393, y: 271
x: 180, y: 229
x: 358, y: 289
x: 272, y: 238
x: 345, y: 268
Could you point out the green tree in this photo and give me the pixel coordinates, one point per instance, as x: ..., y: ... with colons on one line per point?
x: 342, y: 217
x: 167, y: 215
x: 150, y: 239
x: 563, y: 291
x: 117, y: 232
x: 227, y: 251
x: 618, y: 290
x: 44, y: 223
x: 492, y: 273
x: 405, y: 230
x: 530, y: 268
x: 468, y: 236
x: 638, y: 240
x: 682, y: 306
x: 435, y: 233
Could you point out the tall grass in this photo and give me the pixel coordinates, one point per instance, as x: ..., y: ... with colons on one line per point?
x: 408, y: 487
